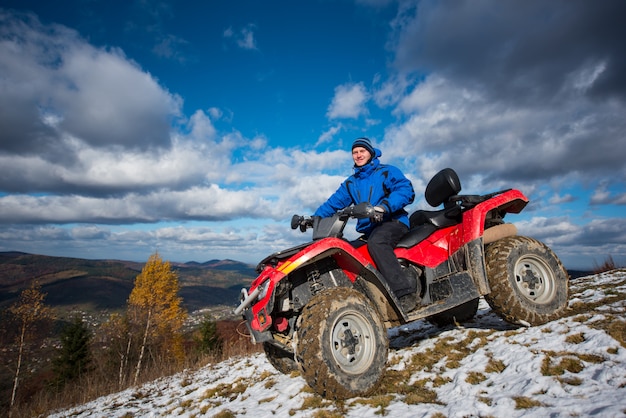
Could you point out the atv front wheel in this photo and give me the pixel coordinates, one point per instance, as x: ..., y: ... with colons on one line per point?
x: 282, y: 360
x: 341, y: 344
x: 529, y: 285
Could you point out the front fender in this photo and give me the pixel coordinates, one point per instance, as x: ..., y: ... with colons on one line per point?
x: 355, y: 263
x: 358, y: 266
x: 260, y: 303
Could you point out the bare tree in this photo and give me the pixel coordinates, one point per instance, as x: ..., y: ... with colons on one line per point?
x: 28, y: 309
x: 118, y: 337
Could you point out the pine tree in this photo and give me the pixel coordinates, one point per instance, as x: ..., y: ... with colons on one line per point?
x: 74, y: 356
x: 155, y: 305
x: 209, y: 341
x: 28, y: 310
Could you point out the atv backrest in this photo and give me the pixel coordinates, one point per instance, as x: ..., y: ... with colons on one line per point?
x: 442, y: 186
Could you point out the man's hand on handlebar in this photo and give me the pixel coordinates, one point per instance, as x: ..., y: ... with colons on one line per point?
x: 379, y: 212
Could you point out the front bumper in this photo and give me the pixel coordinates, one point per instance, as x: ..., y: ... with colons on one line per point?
x: 257, y: 336
x: 246, y: 299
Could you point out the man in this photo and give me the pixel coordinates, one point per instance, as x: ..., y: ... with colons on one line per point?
x: 387, y: 189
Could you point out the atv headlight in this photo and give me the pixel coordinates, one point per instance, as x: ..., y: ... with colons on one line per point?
x: 264, y: 287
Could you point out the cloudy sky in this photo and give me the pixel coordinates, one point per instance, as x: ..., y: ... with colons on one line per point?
x: 198, y: 130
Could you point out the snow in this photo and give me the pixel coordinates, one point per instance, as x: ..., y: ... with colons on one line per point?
x: 251, y: 387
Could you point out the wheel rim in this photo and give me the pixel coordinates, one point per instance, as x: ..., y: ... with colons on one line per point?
x: 535, y: 279
x: 352, y: 343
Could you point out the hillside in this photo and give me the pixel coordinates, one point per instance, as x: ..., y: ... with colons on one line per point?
x: 575, y: 366
x: 97, y: 285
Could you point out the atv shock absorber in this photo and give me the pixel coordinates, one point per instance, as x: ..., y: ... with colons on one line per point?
x: 315, y: 285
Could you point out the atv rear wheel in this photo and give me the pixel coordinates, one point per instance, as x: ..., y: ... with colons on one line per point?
x: 282, y: 360
x: 462, y: 313
x: 529, y: 285
x: 341, y: 344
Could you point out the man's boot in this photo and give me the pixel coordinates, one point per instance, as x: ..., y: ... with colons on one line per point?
x: 409, y: 301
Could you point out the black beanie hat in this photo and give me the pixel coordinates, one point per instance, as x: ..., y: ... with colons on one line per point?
x: 365, y: 143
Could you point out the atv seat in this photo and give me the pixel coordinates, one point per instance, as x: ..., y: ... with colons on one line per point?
x: 442, y: 188
x: 438, y: 218
x: 415, y: 235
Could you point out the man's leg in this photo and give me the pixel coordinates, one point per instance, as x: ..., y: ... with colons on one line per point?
x: 381, y: 243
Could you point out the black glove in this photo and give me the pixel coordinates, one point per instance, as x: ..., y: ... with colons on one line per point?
x: 379, y: 212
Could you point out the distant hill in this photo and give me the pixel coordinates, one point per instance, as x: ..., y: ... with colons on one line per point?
x: 95, y: 285
x: 574, y: 274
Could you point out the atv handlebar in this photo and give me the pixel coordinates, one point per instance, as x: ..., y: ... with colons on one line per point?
x: 303, y: 222
x: 360, y: 211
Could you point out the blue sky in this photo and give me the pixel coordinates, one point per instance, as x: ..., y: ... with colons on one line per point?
x: 198, y: 130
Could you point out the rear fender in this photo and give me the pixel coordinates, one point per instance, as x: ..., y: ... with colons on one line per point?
x: 512, y: 201
x: 437, y: 247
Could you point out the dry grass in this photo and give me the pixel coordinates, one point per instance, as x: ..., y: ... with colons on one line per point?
x: 607, y: 265
x: 225, y: 414
x: 379, y: 402
x: 495, y: 366
x: 475, y: 378
x: 617, y: 330
x: 523, y: 402
x: 103, y: 381
x: 323, y: 413
x: 575, y: 338
x: 582, y: 310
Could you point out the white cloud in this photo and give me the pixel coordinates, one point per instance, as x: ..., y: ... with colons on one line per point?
x: 557, y: 199
x: 169, y: 46
x: 89, y: 232
x: 244, y: 38
x: 201, y: 127
x: 552, y: 230
x: 452, y: 125
x: 601, y: 194
x: 247, y: 40
x: 349, y: 101
x: 97, y: 95
x: 328, y: 135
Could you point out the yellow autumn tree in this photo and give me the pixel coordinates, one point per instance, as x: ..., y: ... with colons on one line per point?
x: 155, y: 306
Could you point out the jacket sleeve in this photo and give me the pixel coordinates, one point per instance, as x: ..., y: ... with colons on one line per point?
x: 338, y: 200
x: 400, y: 191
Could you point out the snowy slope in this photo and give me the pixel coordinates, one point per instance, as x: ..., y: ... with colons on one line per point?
x: 570, y: 367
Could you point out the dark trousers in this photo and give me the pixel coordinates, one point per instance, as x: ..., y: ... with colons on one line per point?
x: 380, y: 245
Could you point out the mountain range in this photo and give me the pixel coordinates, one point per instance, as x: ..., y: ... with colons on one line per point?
x: 96, y: 285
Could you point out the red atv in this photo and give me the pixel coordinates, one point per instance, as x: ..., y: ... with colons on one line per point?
x: 324, y: 309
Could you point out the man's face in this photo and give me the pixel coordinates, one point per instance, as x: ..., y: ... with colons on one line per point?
x: 360, y: 156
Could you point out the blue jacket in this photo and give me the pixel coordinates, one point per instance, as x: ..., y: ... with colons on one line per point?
x: 380, y: 185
